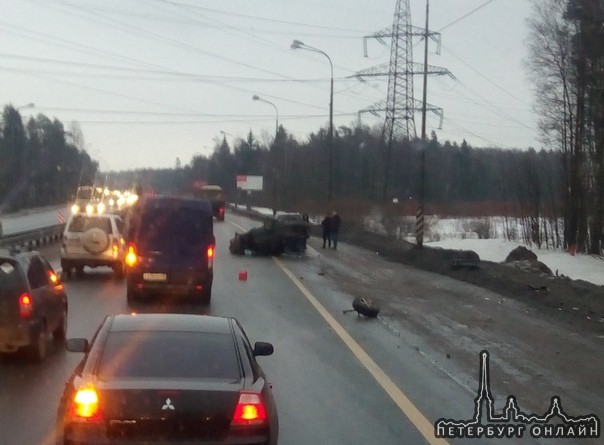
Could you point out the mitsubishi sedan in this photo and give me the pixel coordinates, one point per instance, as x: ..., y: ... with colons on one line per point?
x: 168, y: 378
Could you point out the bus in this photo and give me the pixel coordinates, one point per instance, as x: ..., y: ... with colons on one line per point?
x: 214, y: 194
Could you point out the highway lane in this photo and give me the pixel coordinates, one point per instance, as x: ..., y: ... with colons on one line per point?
x: 323, y: 387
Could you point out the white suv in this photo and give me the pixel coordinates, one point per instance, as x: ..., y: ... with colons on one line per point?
x: 93, y: 240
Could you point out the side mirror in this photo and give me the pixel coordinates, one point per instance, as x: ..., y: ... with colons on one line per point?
x: 77, y: 345
x: 263, y: 348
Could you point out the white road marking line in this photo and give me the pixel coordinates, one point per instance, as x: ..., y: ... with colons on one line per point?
x: 424, y: 426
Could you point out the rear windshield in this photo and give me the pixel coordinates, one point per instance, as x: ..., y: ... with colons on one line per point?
x: 169, y: 354
x: 181, y: 226
x: 11, y: 282
x: 213, y: 195
x: 82, y: 223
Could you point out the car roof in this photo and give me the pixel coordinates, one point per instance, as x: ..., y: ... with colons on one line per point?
x: 177, y: 201
x: 171, y: 322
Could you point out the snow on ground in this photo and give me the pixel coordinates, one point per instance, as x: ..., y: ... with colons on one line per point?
x: 584, y: 267
x: 453, y: 234
x: 451, y: 231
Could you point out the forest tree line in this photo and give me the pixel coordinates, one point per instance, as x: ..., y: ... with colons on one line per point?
x: 41, y: 163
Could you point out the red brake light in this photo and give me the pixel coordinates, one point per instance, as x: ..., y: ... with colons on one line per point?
x: 85, y: 405
x: 131, y: 258
x: 249, y: 410
x: 210, y: 254
x: 25, y: 305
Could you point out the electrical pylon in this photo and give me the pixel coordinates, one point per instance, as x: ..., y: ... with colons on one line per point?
x: 400, y: 104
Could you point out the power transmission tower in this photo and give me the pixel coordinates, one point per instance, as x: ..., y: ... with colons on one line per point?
x: 400, y: 104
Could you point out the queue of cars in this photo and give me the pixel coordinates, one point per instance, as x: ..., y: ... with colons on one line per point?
x: 143, y: 378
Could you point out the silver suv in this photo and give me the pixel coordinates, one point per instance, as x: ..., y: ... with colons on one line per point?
x: 93, y: 240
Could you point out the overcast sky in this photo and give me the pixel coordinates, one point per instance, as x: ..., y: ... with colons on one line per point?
x: 150, y: 81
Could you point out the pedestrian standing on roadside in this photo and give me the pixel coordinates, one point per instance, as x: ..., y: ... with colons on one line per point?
x: 334, y: 229
x: 326, y: 226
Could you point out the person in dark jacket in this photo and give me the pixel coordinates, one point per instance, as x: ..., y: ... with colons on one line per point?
x: 334, y: 228
x: 326, y: 226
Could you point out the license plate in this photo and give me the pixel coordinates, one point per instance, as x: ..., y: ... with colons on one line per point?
x: 148, y: 276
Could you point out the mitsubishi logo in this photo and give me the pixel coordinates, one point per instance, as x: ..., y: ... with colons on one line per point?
x: 168, y: 405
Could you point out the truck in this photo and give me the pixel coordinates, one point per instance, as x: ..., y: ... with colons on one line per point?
x: 214, y: 194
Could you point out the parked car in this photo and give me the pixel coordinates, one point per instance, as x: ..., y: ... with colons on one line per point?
x: 33, y: 304
x: 170, y: 248
x: 93, y: 240
x: 168, y: 378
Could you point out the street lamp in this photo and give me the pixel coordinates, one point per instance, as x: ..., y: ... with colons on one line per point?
x: 256, y: 97
x: 274, y: 151
x: 29, y: 105
x: 297, y: 44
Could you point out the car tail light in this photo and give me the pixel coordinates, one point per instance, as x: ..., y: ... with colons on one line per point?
x: 26, y: 307
x: 221, y: 211
x: 115, y: 249
x: 85, y: 405
x: 131, y: 257
x: 250, y: 410
x: 54, y: 279
x: 210, y: 257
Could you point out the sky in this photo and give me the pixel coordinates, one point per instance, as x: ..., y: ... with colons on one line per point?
x: 153, y: 81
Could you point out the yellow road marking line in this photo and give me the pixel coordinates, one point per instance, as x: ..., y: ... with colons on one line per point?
x: 424, y: 426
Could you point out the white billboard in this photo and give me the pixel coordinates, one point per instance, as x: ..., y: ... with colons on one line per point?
x: 245, y: 182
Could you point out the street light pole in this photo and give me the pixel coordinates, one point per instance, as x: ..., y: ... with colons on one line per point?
x: 274, y: 154
x: 297, y: 44
x: 256, y: 97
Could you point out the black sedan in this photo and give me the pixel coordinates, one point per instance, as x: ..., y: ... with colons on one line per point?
x: 168, y: 378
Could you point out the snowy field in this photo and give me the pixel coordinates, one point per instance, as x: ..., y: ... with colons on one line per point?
x: 583, y: 267
x: 453, y: 234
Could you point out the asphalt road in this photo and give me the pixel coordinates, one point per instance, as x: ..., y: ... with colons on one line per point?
x: 337, y: 378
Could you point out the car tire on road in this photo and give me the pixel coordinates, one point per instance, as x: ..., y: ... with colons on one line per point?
x: 60, y: 333
x: 131, y: 296
x: 118, y: 270
x: 65, y: 270
x: 38, y: 349
x: 206, y: 296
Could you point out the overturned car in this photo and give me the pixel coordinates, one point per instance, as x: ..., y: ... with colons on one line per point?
x: 285, y: 233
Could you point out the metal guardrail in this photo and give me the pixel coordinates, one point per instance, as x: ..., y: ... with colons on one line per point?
x: 32, y: 239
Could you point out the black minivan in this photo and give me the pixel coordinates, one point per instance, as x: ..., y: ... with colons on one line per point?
x: 170, y: 248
